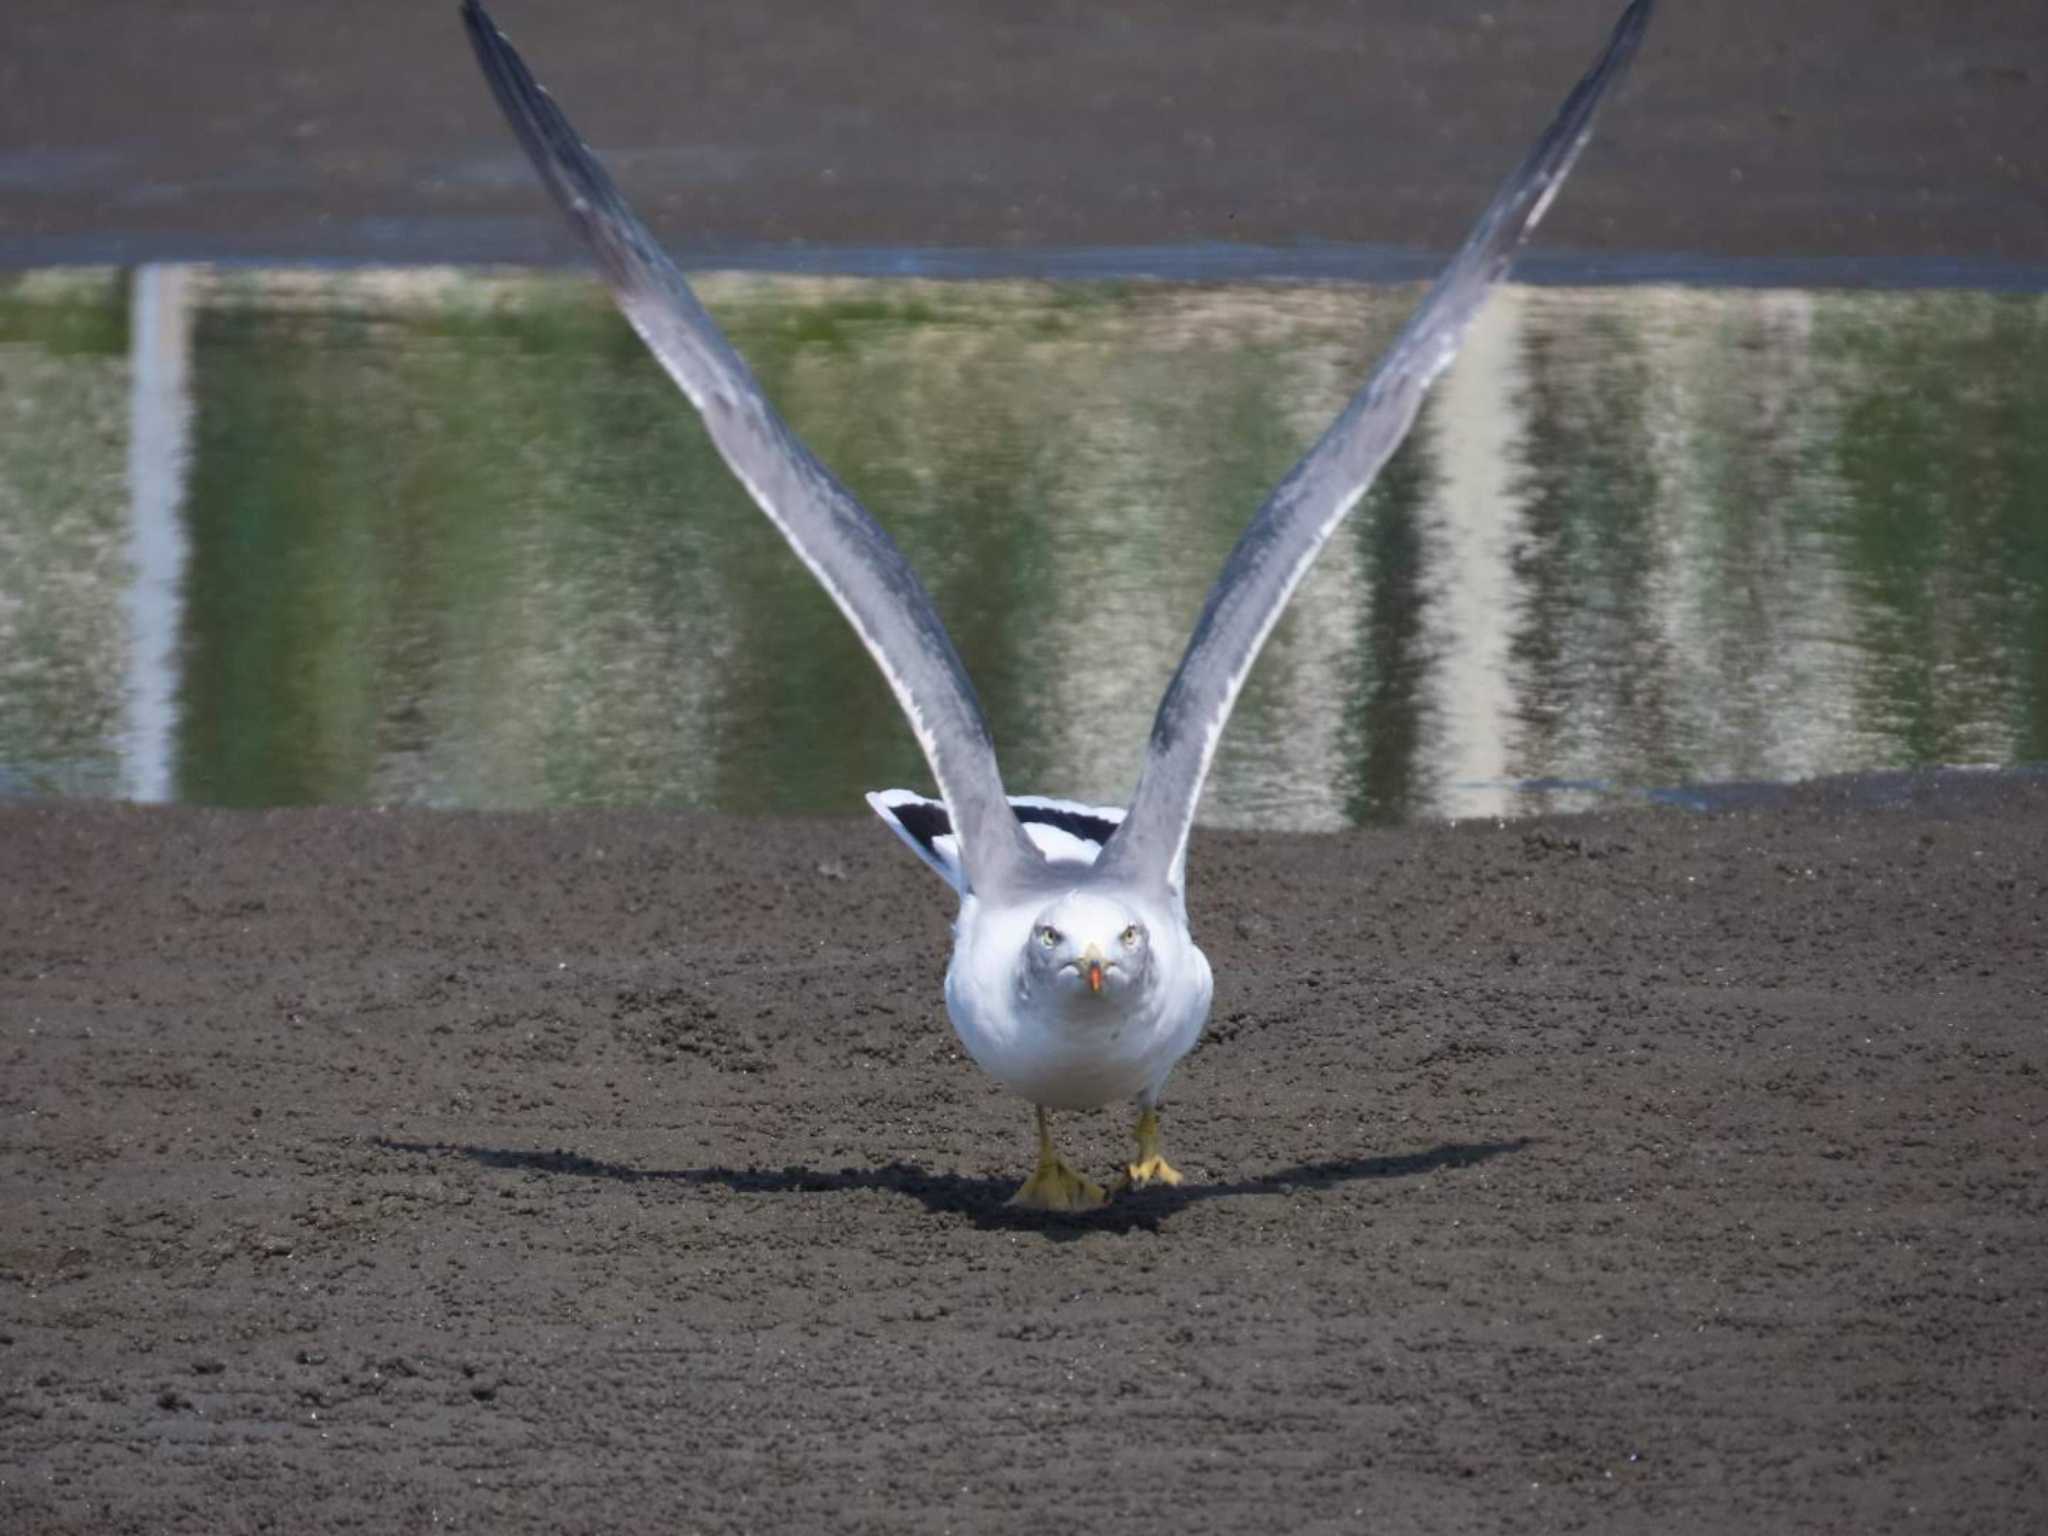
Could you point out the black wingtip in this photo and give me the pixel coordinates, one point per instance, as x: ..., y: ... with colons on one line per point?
x: 565, y: 164
x: 1628, y: 31
x: 477, y: 20
x: 1524, y: 197
x: 1614, y: 60
x: 1621, y: 43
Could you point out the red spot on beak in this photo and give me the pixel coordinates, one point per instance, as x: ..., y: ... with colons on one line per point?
x: 1095, y: 976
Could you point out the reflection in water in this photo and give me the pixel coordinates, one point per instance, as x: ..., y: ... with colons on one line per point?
x: 453, y: 539
x: 1469, y: 438
x: 63, y: 645
x: 159, y: 422
x: 1387, y: 762
x: 1945, y: 478
x: 1591, y: 661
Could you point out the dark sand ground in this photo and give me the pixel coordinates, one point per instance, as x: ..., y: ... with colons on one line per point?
x: 1646, y: 1172
x: 1858, y: 133
x: 1650, y: 1171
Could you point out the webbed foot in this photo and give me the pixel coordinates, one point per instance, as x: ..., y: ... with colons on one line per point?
x: 1053, y: 1185
x: 1151, y: 1166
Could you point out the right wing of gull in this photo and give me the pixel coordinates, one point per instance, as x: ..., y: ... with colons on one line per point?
x: 855, y: 561
x: 1281, y: 543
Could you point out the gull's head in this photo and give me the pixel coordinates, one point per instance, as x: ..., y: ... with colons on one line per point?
x: 1088, y: 946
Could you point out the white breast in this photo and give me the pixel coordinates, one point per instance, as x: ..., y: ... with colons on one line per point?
x: 1097, y: 1053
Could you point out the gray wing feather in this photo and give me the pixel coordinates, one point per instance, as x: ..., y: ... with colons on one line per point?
x: 1283, y: 540
x: 852, y: 557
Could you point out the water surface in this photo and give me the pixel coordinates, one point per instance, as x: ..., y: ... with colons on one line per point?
x: 451, y: 538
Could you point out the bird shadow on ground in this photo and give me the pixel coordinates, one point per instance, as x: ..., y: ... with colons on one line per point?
x: 984, y: 1201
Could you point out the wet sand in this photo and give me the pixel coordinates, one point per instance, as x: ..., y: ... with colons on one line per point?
x: 1647, y: 1171
x: 1640, y: 1171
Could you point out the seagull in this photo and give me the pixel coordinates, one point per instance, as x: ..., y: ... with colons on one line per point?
x: 1075, y: 980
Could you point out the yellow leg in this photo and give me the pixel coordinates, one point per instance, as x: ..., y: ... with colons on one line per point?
x: 1151, y: 1166
x: 1053, y: 1186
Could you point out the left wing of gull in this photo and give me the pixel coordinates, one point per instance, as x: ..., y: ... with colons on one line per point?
x: 1281, y: 543
x: 855, y: 561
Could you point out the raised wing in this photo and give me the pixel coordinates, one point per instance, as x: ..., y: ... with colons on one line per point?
x: 849, y: 553
x: 1276, y: 551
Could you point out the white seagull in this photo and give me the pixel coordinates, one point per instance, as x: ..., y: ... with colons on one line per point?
x: 1075, y: 980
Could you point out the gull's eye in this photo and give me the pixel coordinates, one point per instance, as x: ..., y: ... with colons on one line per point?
x: 1049, y: 937
x: 1130, y: 937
